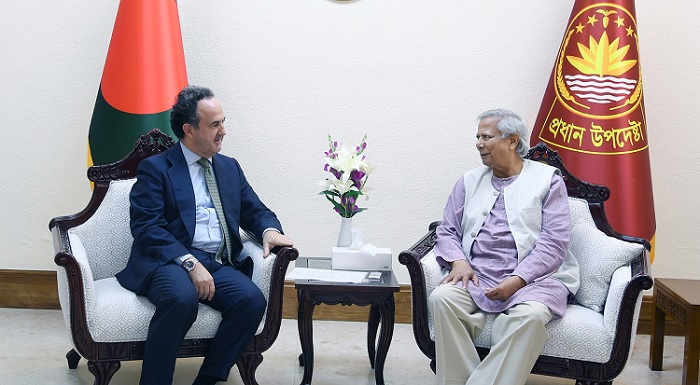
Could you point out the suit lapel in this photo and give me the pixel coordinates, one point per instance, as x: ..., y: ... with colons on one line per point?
x: 181, y: 183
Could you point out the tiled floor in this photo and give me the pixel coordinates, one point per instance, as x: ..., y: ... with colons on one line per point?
x: 34, y: 343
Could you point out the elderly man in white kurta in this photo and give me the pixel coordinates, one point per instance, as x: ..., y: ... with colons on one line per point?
x: 503, y: 245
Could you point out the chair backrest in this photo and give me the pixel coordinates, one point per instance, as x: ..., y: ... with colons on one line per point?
x: 103, y: 226
x: 594, y: 194
x: 106, y: 235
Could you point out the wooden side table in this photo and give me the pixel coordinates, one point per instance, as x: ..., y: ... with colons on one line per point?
x: 379, y: 295
x: 679, y: 299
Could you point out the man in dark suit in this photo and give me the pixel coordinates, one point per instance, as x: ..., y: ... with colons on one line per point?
x: 184, y: 253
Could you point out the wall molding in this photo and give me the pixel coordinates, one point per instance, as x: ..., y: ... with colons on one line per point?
x: 31, y: 289
x: 38, y: 289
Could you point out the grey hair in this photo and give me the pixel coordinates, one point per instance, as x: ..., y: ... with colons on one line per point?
x: 509, y: 123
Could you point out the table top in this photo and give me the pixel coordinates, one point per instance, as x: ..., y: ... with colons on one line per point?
x: 688, y: 290
x: 388, y: 283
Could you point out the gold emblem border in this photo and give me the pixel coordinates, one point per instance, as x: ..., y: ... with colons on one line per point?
x: 562, y: 94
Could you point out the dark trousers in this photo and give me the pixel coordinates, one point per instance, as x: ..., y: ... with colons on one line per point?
x: 239, y: 300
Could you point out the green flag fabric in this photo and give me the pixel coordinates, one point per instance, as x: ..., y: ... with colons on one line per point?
x: 144, y: 71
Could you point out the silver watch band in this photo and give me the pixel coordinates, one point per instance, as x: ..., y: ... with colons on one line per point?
x: 194, y: 261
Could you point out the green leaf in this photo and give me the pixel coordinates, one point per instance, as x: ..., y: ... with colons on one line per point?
x: 337, y: 205
x: 330, y: 192
x: 353, y: 193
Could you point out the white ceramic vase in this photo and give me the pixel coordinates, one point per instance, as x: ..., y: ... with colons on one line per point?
x: 345, y: 235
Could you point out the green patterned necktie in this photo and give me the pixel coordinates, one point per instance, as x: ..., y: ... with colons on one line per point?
x: 214, y: 193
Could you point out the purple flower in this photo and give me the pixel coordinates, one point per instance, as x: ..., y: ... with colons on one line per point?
x: 356, y: 178
x: 335, y: 172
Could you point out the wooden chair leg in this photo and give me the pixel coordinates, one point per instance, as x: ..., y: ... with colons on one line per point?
x: 103, y: 371
x: 73, y: 358
x: 247, y: 365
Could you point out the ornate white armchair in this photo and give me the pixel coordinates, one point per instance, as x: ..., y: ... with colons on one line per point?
x: 108, y: 323
x: 593, y: 341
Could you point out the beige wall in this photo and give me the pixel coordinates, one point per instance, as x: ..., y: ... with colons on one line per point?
x: 412, y: 74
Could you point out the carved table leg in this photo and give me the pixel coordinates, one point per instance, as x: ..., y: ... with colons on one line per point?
x: 690, y: 351
x: 677, y: 298
x: 387, y: 331
x: 306, y: 335
x: 656, y: 348
x: 372, y: 326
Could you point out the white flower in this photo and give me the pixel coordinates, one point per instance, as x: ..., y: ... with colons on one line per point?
x: 350, y: 171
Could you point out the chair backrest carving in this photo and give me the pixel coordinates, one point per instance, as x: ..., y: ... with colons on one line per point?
x: 151, y: 143
x: 576, y: 188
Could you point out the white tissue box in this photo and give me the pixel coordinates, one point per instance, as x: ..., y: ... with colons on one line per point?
x: 343, y: 258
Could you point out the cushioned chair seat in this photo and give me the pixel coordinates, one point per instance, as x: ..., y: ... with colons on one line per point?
x: 581, y: 334
x: 120, y: 315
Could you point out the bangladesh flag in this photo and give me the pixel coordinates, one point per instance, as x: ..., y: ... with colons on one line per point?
x: 144, y: 71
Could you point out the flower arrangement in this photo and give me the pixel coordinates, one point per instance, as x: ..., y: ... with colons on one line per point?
x: 350, y: 171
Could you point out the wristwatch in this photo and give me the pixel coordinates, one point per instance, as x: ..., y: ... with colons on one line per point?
x: 189, y: 263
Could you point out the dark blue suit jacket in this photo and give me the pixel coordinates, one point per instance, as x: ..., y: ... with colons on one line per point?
x: 163, y: 213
